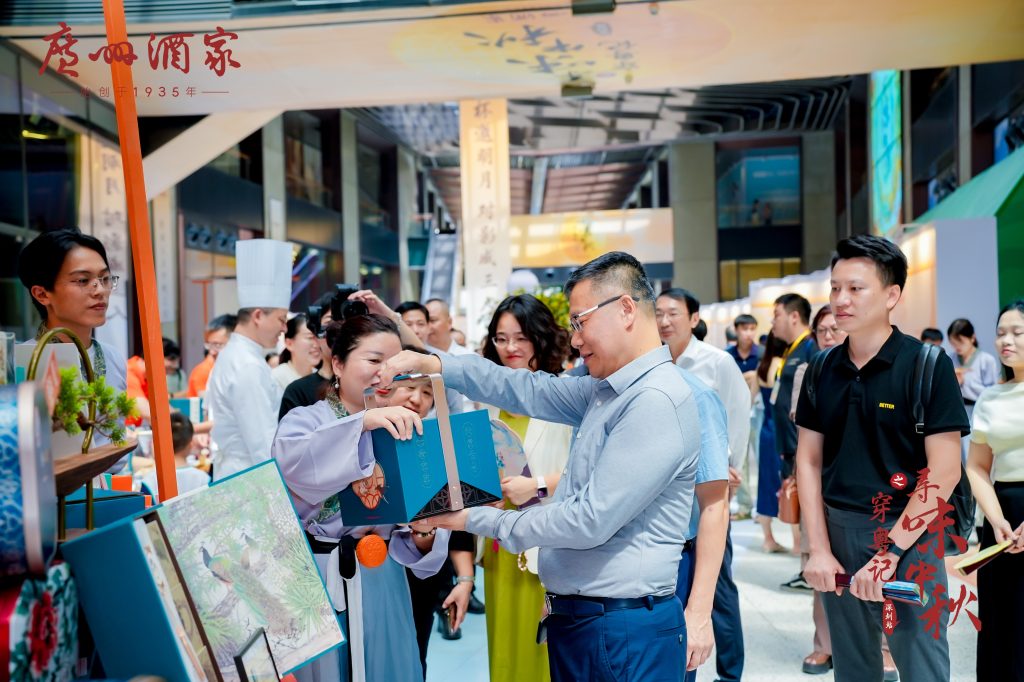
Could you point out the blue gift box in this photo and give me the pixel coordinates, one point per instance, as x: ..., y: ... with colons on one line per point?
x: 156, y: 631
x: 193, y: 408
x: 108, y: 506
x: 176, y: 591
x: 416, y: 478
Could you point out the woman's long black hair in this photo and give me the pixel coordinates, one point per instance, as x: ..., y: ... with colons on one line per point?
x: 550, y: 341
x: 773, y: 348
x: 292, y: 330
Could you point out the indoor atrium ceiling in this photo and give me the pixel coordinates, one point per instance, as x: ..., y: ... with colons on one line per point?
x: 591, y: 152
x: 320, y: 54
x: 656, y: 71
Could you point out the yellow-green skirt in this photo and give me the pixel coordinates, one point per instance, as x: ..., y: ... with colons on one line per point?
x: 514, y: 600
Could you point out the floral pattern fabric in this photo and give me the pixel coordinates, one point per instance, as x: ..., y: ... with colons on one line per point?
x: 42, y: 628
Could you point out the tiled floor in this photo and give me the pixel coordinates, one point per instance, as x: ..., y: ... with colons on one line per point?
x: 777, y: 625
x: 461, y: 660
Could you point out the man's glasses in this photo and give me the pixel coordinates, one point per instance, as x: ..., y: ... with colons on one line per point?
x: 106, y: 282
x: 576, y: 321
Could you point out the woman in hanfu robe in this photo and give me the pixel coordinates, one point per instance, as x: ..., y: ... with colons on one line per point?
x: 324, y: 448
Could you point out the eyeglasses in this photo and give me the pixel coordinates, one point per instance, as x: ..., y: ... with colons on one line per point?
x: 106, y: 282
x: 214, y: 346
x: 503, y: 341
x: 834, y: 331
x: 576, y: 321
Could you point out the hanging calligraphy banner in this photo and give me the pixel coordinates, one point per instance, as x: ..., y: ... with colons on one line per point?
x: 103, y: 213
x: 483, y: 141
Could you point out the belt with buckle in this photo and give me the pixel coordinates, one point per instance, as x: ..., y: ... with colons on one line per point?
x: 567, y: 605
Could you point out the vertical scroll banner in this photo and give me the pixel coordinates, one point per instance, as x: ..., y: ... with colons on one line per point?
x: 486, y: 208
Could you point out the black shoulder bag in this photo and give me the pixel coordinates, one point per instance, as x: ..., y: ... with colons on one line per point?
x: 924, y: 372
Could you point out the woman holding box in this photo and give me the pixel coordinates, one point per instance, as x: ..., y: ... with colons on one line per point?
x: 523, y: 334
x: 324, y: 448
x: 996, y: 470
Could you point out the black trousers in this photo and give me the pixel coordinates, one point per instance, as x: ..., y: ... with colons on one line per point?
x: 1001, y: 599
x: 429, y: 593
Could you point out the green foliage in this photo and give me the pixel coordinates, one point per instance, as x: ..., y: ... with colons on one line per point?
x: 556, y: 301
x: 304, y: 593
x: 221, y: 632
x: 69, y: 407
x: 72, y: 410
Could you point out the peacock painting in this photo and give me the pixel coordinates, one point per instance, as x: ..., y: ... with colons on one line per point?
x: 247, y: 565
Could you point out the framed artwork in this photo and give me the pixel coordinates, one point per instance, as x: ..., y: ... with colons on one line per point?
x: 246, y: 565
x: 255, y: 663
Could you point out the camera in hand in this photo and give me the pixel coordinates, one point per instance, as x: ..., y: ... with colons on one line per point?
x: 313, y: 315
x: 342, y: 308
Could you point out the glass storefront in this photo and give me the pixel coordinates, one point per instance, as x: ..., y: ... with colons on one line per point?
x: 758, y: 186
x: 735, y: 276
x: 50, y: 132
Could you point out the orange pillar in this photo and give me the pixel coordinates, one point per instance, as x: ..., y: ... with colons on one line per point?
x: 142, y: 252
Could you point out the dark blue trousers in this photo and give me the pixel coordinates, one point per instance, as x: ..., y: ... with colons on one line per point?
x: 634, y: 645
x: 725, y: 616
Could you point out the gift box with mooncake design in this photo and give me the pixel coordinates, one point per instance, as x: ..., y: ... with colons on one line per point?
x: 450, y: 467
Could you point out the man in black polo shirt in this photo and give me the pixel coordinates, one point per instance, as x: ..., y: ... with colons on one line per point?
x: 857, y: 435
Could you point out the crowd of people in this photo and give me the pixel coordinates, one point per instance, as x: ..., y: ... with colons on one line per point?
x: 613, y: 558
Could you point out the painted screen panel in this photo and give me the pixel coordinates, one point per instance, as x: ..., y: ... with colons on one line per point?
x: 886, y: 151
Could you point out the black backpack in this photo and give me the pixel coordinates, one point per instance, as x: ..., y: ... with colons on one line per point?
x: 924, y: 372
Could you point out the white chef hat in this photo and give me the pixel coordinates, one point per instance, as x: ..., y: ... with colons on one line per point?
x: 264, y: 270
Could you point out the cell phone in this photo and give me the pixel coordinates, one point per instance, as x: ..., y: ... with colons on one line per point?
x: 451, y: 614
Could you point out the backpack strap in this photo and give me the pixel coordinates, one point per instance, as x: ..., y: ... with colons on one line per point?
x: 813, y: 375
x: 924, y: 373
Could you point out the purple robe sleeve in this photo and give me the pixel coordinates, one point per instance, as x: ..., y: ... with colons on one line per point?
x: 403, y: 549
x: 320, y: 454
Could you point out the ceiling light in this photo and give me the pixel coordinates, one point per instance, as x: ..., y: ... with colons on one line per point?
x: 577, y: 89
x: 592, y: 6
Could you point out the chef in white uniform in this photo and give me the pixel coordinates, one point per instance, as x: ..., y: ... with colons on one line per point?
x: 242, y: 396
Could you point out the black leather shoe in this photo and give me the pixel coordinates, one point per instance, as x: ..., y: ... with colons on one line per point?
x: 475, y: 605
x: 446, y: 632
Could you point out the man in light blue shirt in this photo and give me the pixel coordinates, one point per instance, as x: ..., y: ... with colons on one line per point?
x: 696, y: 586
x: 611, y: 541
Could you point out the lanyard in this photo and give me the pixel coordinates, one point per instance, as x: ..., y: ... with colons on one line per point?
x: 789, y: 351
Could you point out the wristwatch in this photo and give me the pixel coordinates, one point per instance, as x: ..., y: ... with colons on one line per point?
x: 465, y: 579
x: 542, y: 488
